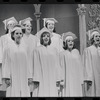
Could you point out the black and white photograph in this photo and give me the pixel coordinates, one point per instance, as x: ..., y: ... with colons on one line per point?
x: 49, y: 50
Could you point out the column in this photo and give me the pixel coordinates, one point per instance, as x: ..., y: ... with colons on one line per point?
x: 82, y: 26
x: 37, y: 15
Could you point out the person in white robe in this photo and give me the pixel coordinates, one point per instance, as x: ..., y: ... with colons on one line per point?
x: 56, y: 40
x: 31, y: 42
x: 91, y: 60
x: 4, y: 41
x: 71, y: 64
x: 14, y: 66
x: 46, y: 67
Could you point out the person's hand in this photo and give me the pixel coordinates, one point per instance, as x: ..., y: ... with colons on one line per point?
x: 61, y: 85
x: 36, y: 85
x: 30, y: 81
x: 8, y: 82
x: 88, y: 84
x: 58, y: 83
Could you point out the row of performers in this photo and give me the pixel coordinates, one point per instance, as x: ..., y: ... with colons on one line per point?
x: 46, y: 64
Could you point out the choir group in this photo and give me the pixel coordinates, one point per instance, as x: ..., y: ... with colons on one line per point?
x: 47, y: 64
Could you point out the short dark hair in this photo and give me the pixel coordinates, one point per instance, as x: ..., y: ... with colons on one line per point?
x: 41, y: 38
x: 65, y: 45
x: 12, y: 33
x: 54, y: 27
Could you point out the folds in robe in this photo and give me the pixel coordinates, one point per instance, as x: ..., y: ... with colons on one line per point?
x: 46, y: 70
x: 14, y: 67
x: 57, y: 42
x: 91, y: 61
x: 72, y: 71
x: 4, y: 41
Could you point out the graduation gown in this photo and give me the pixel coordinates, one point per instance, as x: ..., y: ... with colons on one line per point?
x: 72, y: 73
x: 4, y: 41
x: 14, y: 67
x: 46, y: 70
x: 91, y: 59
x: 57, y: 42
x: 31, y: 43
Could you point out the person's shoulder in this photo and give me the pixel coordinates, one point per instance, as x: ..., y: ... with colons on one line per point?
x: 33, y: 36
x: 76, y: 50
x: 56, y: 35
x: 3, y: 36
x: 38, y: 48
x: 88, y: 48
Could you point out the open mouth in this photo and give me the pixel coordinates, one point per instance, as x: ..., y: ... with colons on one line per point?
x: 97, y: 40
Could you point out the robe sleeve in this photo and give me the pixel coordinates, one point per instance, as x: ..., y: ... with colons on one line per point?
x: 80, y: 67
x: 0, y: 62
x: 1, y: 50
x: 58, y: 68
x: 87, y: 61
x: 62, y: 64
x: 6, y: 63
x: 36, y: 66
x: 61, y: 44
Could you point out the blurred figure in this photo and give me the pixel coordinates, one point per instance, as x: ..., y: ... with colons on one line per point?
x: 14, y: 67
x: 91, y: 59
x: 46, y: 67
x: 71, y: 64
x: 4, y: 41
x: 31, y: 42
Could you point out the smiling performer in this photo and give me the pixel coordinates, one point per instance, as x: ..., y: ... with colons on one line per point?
x: 31, y: 42
x: 56, y: 41
x: 91, y: 60
x: 71, y: 64
x: 46, y: 67
x: 15, y: 62
x: 4, y: 41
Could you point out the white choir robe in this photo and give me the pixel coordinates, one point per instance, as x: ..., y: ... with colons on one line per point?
x: 14, y: 67
x: 46, y: 70
x: 72, y: 70
x: 91, y: 59
x: 4, y: 41
x: 31, y: 42
x: 57, y: 42
x: 0, y: 63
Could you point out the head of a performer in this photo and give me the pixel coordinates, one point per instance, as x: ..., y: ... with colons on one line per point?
x: 9, y: 24
x: 68, y: 40
x: 26, y: 23
x: 45, y: 38
x: 49, y: 23
x: 17, y: 34
x: 95, y: 38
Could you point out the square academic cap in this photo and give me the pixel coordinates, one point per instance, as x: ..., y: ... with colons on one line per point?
x: 42, y: 31
x: 7, y: 21
x: 47, y: 20
x: 68, y: 34
x: 24, y: 21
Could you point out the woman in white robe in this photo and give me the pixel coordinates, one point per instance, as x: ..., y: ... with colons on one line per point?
x: 46, y: 67
x: 31, y: 42
x: 4, y: 41
x: 71, y: 64
x: 15, y: 62
x: 91, y: 60
x: 56, y: 40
